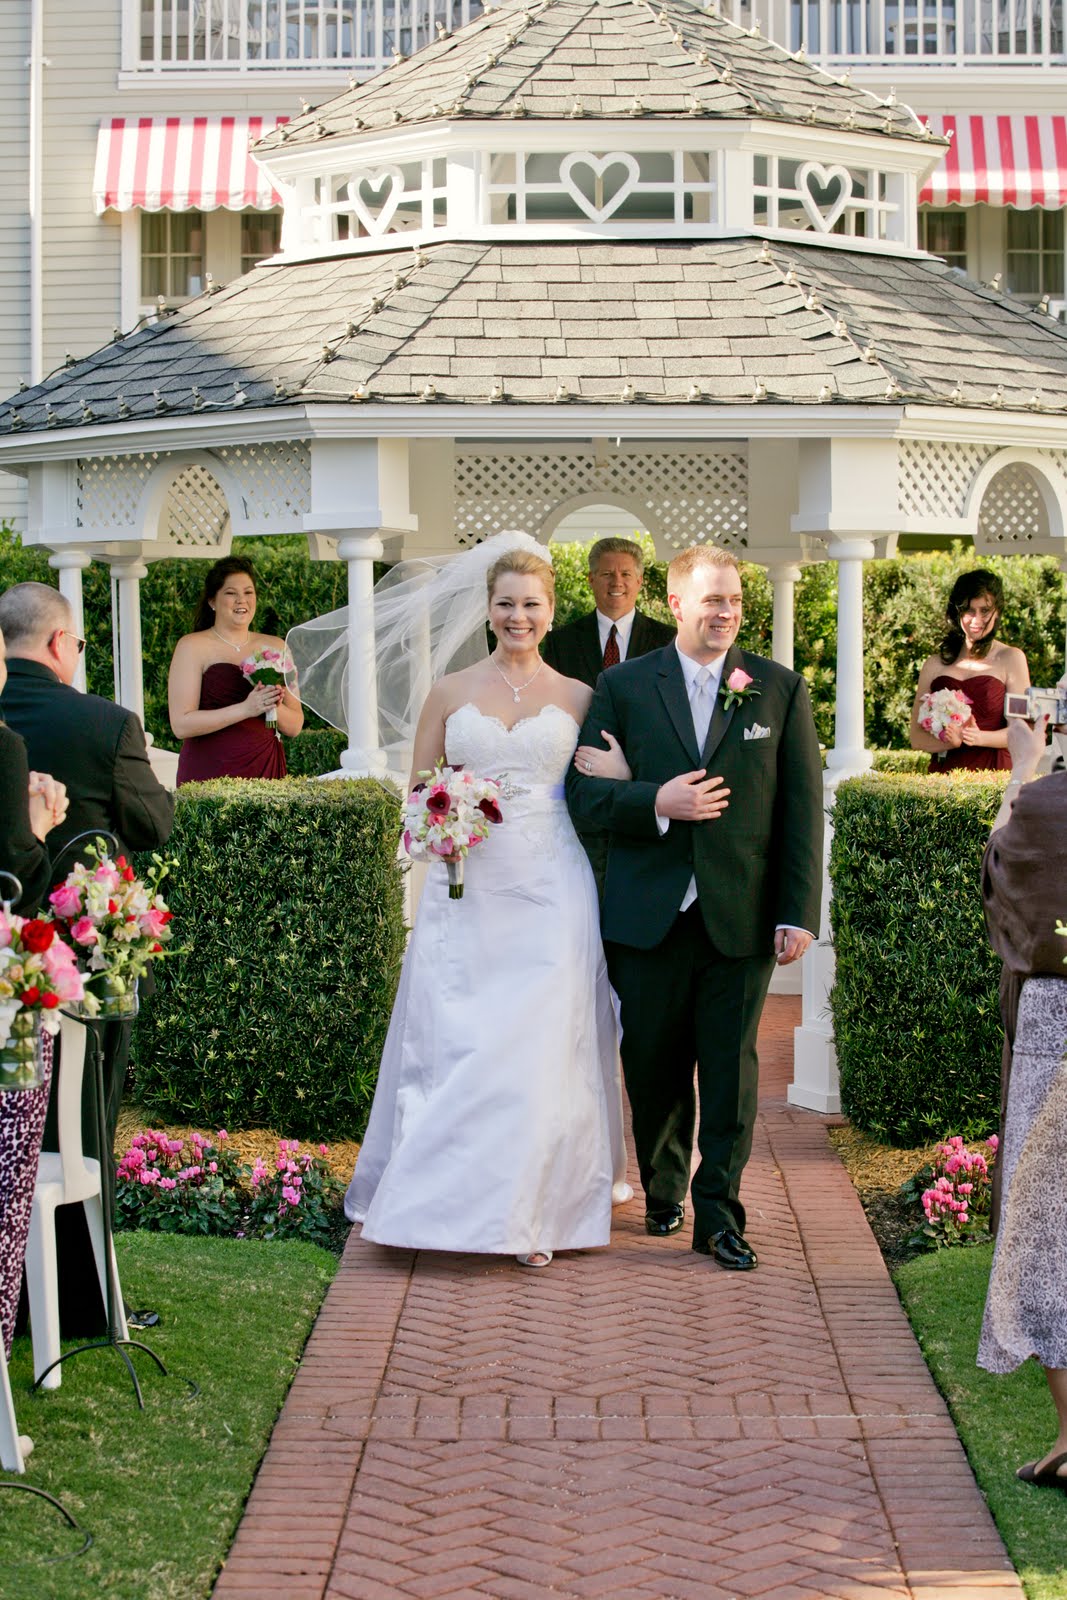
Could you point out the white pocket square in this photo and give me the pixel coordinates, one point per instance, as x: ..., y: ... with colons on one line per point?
x: 756, y: 732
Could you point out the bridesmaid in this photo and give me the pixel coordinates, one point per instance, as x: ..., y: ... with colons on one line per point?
x: 983, y: 668
x: 214, y: 709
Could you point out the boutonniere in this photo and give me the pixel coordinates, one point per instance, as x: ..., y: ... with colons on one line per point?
x: 738, y: 686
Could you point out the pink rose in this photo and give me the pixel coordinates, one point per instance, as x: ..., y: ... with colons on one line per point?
x: 66, y: 901
x: 84, y: 931
x: 152, y: 924
x: 739, y: 679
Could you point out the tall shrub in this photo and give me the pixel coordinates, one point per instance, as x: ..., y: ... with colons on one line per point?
x: 914, y: 1003
x: 287, y: 909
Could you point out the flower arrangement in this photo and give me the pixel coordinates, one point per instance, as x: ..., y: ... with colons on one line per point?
x: 739, y: 686
x: 38, y: 973
x: 943, y: 709
x: 956, y: 1203
x: 118, y: 922
x: 448, y: 814
x: 270, y: 666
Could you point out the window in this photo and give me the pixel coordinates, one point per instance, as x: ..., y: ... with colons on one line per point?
x: 1035, y: 254
x: 944, y: 233
x: 172, y: 255
x: 261, y: 233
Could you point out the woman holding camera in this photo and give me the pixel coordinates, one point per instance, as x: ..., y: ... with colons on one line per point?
x: 982, y: 668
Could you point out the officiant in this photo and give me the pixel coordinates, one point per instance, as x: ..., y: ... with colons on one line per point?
x: 613, y: 631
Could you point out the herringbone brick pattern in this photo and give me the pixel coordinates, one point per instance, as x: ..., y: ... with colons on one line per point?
x: 630, y: 1423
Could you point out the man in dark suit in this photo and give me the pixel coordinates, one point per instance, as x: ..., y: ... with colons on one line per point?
x: 97, y: 750
x: 613, y: 631
x: 710, y: 880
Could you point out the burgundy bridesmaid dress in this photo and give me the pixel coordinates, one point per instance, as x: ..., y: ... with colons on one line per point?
x: 247, y: 749
x: 986, y: 694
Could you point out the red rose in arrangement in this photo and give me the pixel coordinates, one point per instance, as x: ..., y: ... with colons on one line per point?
x: 37, y: 935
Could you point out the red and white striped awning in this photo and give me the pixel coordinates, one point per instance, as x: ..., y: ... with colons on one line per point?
x: 1003, y: 161
x: 181, y: 164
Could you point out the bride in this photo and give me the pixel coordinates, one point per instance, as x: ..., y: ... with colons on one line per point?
x: 497, y: 1119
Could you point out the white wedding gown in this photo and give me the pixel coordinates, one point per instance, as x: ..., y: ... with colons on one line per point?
x: 497, y: 1120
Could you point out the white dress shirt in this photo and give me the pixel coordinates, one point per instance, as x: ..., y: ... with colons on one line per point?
x: 624, y: 626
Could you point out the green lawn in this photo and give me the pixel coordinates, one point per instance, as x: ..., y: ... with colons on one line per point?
x: 161, y: 1490
x: 1002, y: 1421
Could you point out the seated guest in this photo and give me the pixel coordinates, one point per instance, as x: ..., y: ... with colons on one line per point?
x: 1024, y: 880
x: 218, y: 713
x: 96, y: 749
x: 982, y: 667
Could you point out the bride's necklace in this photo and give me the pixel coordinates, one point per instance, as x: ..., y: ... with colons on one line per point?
x: 236, y: 648
x: 516, y: 688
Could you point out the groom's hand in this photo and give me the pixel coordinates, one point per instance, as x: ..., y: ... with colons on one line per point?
x: 692, y: 798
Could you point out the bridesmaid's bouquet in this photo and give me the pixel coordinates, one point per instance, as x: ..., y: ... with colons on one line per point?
x: 268, y: 666
x: 944, y: 708
x: 447, y: 815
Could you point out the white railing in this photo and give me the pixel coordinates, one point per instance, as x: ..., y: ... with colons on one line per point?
x: 253, y: 35
x: 924, y: 33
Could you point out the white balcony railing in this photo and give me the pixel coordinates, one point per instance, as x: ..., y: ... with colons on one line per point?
x: 240, y: 35
x: 931, y: 33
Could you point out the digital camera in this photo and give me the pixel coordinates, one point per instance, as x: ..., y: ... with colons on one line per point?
x: 1034, y: 703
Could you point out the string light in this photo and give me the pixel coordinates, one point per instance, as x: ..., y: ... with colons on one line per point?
x: 759, y: 389
x: 867, y: 354
x: 693, y: 392
x: 52, y: 417
x: 560, y: 391
x: 497, y: 391
x: 893, y: 391
x: 428, y: 391
x: 825, y: 393
x: 198, y: 399
x: 124, y: 409
x: 840, y: 327
x: 628, y: 392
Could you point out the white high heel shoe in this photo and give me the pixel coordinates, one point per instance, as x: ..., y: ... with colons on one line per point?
x: 621, y: 1193
x: 536, y: 1258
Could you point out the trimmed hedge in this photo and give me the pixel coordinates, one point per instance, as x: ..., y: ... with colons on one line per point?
x: 288, y: 915
x: 915, y: 1002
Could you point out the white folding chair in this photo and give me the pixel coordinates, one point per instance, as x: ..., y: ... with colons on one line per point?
x: 11, y: 1452
x: 64, y: 1179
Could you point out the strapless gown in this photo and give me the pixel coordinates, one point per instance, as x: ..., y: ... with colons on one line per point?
x: 986, y: 694
x: 497, y: 1120
x: 247, y: 749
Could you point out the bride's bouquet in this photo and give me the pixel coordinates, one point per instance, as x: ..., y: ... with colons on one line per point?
x: 944, y: 708
x: 268, y: 665
x: 447, y: 815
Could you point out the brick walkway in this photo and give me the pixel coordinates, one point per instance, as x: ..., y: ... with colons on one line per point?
x: 633, y: 1423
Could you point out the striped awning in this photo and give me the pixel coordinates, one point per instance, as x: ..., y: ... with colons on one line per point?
x: 1003, y: 161
x: 181, y: 164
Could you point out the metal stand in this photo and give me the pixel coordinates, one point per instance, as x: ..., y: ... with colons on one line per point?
x: 112, y: 1340
x: 87, y: 1538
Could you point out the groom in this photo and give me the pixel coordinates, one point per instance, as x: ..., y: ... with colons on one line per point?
x: 714, y: 874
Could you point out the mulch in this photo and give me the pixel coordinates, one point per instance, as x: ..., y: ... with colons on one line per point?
x: 246, y: 1143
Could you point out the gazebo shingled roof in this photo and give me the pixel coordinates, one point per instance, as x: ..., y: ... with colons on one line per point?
x: 806, y: 323
x: 536, y: 59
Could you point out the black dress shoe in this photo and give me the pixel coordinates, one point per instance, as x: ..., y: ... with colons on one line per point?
x: 729, y: 1249
x: 664, y: 1220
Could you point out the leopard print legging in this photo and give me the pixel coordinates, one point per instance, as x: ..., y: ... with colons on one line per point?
x: 22, y: 1113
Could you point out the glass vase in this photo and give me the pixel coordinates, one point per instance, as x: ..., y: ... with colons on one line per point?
x: 117, y: 996
x: 22, y: 1056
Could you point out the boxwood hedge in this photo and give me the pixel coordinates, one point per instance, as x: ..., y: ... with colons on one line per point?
x: 288, y: 915
x: 914, y: 1004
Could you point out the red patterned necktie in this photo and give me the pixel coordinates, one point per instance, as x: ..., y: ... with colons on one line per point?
x: 611, y: 649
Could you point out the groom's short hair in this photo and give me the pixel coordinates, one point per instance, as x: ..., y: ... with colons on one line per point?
x: 686, y: 562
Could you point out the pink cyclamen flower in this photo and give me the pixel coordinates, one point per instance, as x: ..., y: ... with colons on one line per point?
x: 168, y: 1183
x: 291, y: 1195
x: 739, y: 679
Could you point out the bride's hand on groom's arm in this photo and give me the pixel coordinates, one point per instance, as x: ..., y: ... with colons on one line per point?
x: 610, y: 763
x: 691, y: 797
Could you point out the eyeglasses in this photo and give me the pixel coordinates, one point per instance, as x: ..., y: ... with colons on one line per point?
x: 80, y: 642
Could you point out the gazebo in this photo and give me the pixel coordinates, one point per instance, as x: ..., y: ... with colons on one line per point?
x: 580, y: 252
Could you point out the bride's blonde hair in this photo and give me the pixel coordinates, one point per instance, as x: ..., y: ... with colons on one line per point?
x: 526, y: 565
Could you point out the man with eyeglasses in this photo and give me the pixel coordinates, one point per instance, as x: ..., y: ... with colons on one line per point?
x: 97, y: 749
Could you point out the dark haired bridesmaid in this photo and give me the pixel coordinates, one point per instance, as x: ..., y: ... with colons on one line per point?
x: 973, y: 660
x: 214, y: 709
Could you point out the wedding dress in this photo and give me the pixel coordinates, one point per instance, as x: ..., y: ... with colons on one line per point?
x: 497, y: 1120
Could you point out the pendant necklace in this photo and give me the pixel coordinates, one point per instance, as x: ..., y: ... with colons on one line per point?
x: 236, y: 648
x: 516, y: 690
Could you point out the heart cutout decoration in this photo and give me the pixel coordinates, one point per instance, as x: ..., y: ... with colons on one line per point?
x: 598, y: 166
x: 815, y: 184
x: 374, y: 194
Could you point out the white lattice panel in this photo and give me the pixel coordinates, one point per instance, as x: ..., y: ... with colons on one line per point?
x: 196, y: 512
x: 275, y: 479
x: 681, y: 496
x: 1013, y: 513
x: 934, y: 477
x: 110, y: 488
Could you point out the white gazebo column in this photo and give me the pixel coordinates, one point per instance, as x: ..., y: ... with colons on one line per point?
x: 363, y: 757
x: 70, y: 564
x: 784, y: 577
x: 815, y: 1084
x: 126, y: 579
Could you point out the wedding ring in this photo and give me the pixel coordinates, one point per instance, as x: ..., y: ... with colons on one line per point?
x: 588, y: 766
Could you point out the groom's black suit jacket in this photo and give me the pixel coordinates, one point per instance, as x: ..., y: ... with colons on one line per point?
x: 760, y: 863
x: 575, y: 649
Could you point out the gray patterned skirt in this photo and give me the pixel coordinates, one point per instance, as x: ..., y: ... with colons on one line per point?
x: 1026, y: 1306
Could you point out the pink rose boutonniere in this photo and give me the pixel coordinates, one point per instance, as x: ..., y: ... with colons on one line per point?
x: 738, y: 686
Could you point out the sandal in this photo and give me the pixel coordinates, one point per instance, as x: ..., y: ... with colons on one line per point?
x: 536, y: 1258
x: 1047, y: 1477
